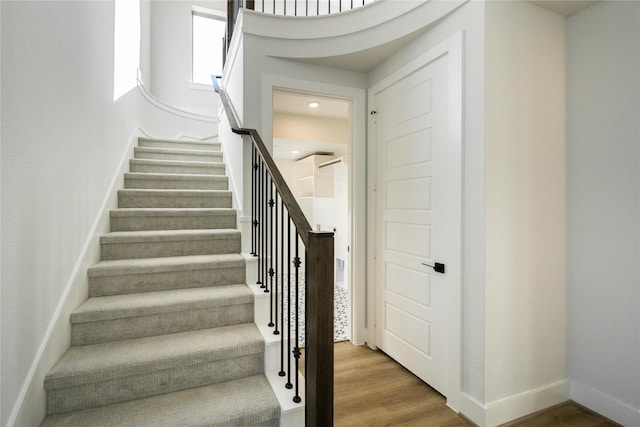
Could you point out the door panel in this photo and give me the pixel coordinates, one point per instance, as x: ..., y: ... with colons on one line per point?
x: 415, y: 219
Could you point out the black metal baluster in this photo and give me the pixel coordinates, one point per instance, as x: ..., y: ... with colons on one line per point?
x: 270, y: 250
x: 296, y: 349
x: 265, y: 222
x: 274, y: 262
x: 265, y: 231
x: 254, y: 221
x: 260, y: 224
x: 289, y: 385
x: 282, y: 372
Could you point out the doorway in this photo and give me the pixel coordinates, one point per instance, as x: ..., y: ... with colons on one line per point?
x: 311, y: 146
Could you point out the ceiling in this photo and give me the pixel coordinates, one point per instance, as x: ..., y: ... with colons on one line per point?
x: 564, y: 7
x: 298, y: 103
x: 367, y: 60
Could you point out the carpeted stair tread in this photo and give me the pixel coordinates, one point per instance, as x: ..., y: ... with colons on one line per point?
x: 175, y: 177
x: 153, y: 198
x: 243, y: 402
x: 190, y: 163
x: 166, y: 243
x: 182, y: 144
x: 131, y: 219
x: 177, y: 154
x: 118, y: 359
x: 133, y: 305
x: 175, y: 192
x: 163, y: 264
x: 149, y: 236
x: 155, y: 212
x: 176, y: 167
x: 183, y: 176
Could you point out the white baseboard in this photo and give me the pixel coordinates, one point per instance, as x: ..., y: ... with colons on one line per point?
x: 604, y: 404
x: 472, y: 409
x: 526, y: 403
x: 514, y: 407
x: 30, y: 407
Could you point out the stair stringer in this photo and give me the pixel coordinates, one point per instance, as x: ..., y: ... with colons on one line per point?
x: 291, y: 413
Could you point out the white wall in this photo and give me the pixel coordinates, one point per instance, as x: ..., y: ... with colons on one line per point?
x: 470, y: 19
x: 298, y: 127
x: 64, y: 141
x: 603, y: 63
x: 171, y: 56
x: 525, y: 196
x: 62, y: 137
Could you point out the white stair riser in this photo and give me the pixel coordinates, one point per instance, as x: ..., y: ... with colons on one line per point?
x: 172, y: 222
x: 170, y: 322
x: 140, y: 281
x: 186, y: 247
x: 185, y: 145
x: 180, y: 375
x: 126, y: 200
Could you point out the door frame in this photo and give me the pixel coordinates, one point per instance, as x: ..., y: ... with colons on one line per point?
x: 453, y: 48
x: 357, y: 180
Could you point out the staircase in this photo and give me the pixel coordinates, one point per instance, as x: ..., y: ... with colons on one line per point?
x: 166, y: 337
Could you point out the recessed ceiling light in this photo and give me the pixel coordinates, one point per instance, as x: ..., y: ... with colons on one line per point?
x: 295, y: 152
x: 314, y: 104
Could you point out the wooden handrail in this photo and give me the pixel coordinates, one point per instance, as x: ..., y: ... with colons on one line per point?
x: 297, y: 216
x: 319, y: 273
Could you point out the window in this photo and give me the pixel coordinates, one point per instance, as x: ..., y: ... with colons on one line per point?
x: 208, y: 35
x: 126, y: 47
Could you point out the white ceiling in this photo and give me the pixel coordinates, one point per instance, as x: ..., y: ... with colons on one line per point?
x: 564, y: 7
x: 367, y: 60
x: 298, y: 103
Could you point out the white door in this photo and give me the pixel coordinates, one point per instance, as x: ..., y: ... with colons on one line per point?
x: 418, y: 209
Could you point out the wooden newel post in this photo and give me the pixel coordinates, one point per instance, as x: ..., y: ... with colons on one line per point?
x: 319, y: 330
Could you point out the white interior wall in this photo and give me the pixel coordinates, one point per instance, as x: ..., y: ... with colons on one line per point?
x: 469, y: 19
x: 64, y: 144
x: 525, y: 198
x: 171, y: 56
x: 603, y: 63
x: 63, y: 137
x: 298, y: 127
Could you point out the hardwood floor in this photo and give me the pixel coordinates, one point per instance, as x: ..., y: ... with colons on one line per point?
x: 372, y: 390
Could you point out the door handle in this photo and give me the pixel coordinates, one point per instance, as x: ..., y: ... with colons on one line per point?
x: 438, y: 267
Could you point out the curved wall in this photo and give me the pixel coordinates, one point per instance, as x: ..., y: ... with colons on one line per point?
x: 65, y: 144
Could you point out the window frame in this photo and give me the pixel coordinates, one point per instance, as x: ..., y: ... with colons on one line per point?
x: 209, y: 14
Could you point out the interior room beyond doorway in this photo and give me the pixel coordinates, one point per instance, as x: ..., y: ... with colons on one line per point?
x: 311, y: 141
